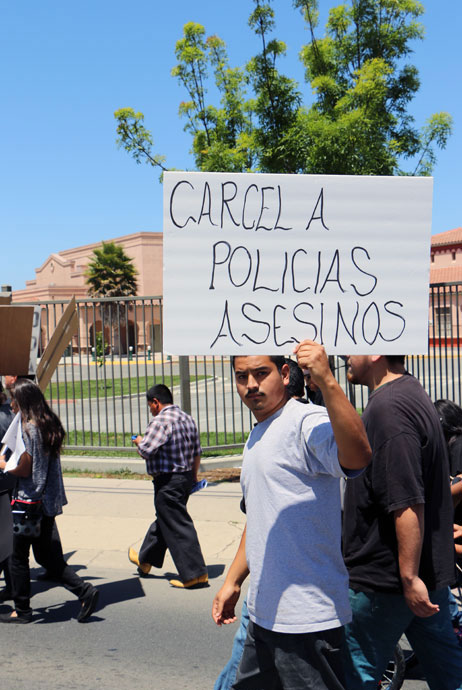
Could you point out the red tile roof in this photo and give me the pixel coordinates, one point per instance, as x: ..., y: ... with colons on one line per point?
x: 448, y: 237
x: 446, y: 274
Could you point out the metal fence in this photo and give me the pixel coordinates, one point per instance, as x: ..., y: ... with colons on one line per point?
x: 99, y: 387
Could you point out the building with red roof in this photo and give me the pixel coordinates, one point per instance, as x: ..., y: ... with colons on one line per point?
x: 446, y: 257
x: 446, y: 288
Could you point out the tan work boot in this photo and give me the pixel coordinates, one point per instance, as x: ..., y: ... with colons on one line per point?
x: 197, y: 582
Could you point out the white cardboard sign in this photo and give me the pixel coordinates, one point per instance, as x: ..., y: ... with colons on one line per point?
x: 254, y: 263
x: 14, y: 441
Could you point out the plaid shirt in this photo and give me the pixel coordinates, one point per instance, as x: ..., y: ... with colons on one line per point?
x: 171, y: 442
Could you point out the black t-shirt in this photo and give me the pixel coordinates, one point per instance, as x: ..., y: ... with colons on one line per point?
x: 409, y: 466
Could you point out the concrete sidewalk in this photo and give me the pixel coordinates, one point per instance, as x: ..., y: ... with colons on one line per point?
x: 106, y: 516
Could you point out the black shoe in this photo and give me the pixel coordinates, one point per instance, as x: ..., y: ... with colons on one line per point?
x: 6, y: 595
x: 21, y: 618
x: 89, y: 602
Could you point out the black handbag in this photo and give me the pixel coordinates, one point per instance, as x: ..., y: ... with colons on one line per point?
x: 27, y: 518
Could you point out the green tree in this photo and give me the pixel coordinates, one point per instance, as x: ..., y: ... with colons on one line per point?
x: 357, y: 123
x: 111, y: 274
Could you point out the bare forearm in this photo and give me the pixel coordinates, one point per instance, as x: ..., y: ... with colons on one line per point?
x: 354, y: 451
x: 223, y: 608
x: 196, y: 466
x: 409, y: 525
x: 238, y: 570
x: 23, y: 468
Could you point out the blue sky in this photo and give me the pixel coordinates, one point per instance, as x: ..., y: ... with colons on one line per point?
x: 67, y: 66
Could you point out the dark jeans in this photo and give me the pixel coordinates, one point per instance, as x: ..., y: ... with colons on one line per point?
x: 173, y: 529
x: 285, y: 661
x: 379, y: 620
x: 48, y: 553
x: 5, y: 566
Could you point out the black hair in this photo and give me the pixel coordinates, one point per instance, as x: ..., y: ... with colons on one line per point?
x: 296, y: 386
x: 396, y: 359
x: 35, y: 408
x: 278, y: 360
x: 161, y: 393
x: 450, y: 416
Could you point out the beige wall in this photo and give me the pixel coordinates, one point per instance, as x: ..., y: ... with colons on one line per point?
x: 444, y: 257
x: 62, y: 274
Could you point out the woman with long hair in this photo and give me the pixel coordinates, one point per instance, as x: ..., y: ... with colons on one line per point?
x: 40, y: 484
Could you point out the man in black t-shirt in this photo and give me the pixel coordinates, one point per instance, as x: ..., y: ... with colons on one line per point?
x: 398, y: 538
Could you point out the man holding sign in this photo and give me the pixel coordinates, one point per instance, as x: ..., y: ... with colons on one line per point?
x: 292, y: 463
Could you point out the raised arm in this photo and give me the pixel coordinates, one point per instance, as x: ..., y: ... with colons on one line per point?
x: 227, y: 597
x: 354, y: 451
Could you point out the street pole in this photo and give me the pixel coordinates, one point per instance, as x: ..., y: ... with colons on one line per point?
x: 185, y: 383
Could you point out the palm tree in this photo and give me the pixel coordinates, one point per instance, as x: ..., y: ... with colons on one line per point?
x: 111, y: 274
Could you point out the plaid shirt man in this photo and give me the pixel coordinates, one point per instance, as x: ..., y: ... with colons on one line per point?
x: 170, y: 443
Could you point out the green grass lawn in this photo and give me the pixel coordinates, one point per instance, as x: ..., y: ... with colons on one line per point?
x: 117, y: 441
x: 78, y: 390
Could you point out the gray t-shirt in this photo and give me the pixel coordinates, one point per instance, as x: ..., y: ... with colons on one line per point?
x: 46, y: 481
x: 290, y: 480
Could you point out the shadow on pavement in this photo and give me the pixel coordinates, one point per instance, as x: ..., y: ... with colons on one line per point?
x: 215, y: 570
x: 109, y: 593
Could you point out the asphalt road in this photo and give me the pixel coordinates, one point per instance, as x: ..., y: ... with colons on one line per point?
x: 145, y: 636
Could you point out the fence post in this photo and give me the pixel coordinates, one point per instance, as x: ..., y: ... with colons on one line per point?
x: 185, y: 383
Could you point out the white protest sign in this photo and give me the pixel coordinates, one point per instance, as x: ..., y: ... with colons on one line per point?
x: 254, y: 263
x: 14, y: 440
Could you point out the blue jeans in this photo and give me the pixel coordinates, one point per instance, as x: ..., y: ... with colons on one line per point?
x: 228, y: 674
x: 455, y: 612
x: 379, y: 620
